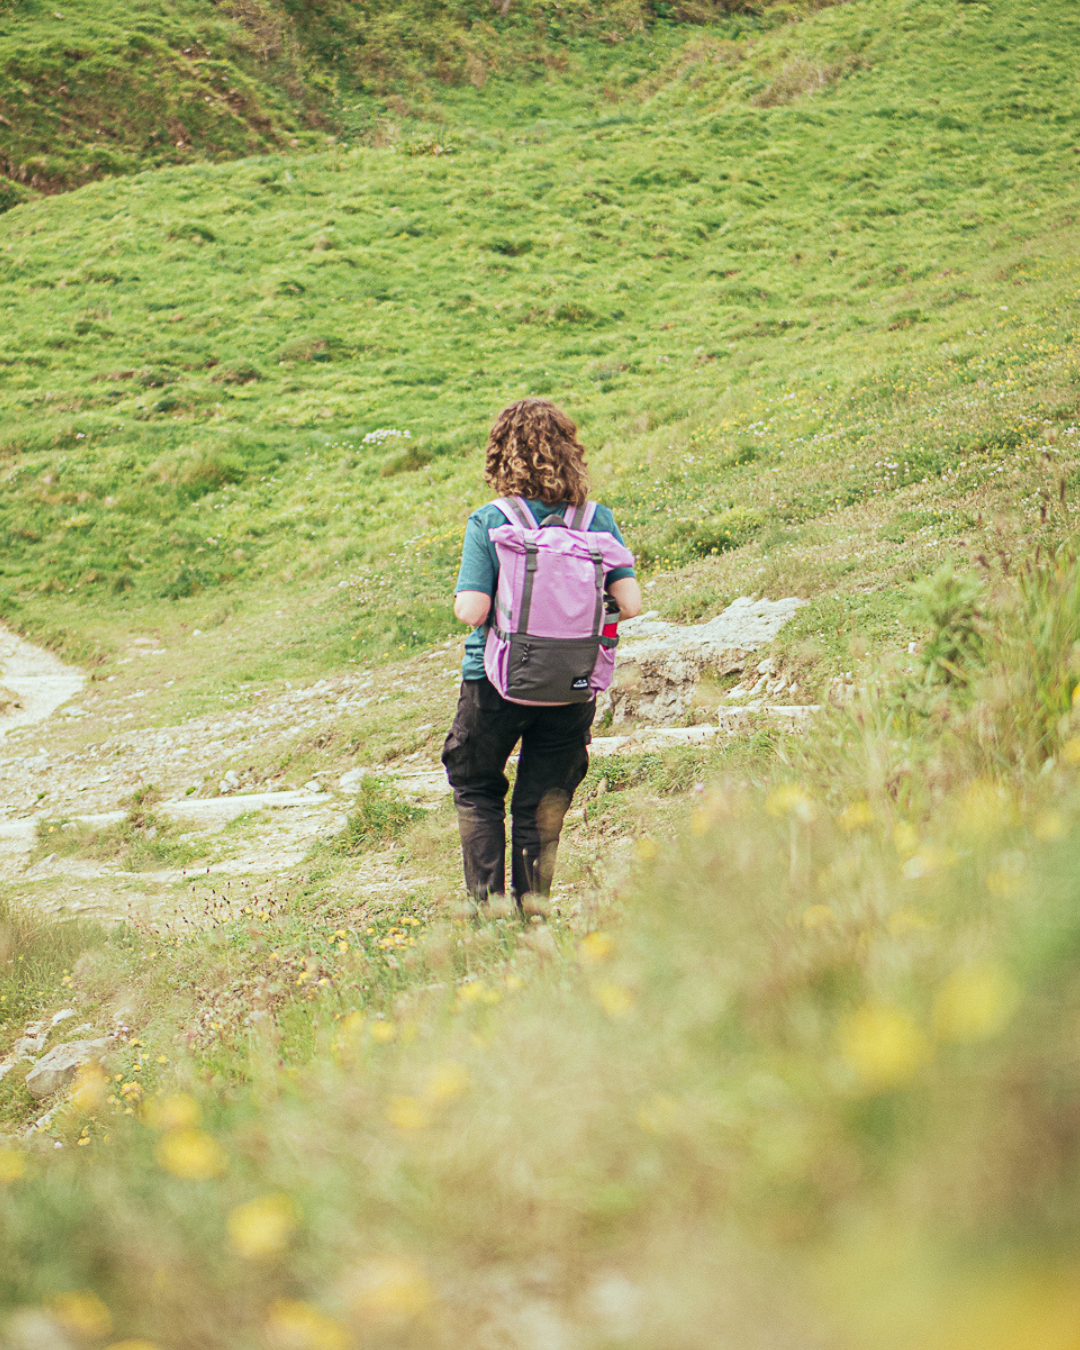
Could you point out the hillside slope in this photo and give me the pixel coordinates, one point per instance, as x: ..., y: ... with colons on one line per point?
x: 100, y: 90
x: 773, y: 281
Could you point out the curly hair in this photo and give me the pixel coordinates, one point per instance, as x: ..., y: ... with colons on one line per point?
x: 533, y: 451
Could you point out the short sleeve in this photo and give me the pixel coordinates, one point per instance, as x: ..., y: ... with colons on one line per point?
x: 604, y: 520
x: 478, y: 562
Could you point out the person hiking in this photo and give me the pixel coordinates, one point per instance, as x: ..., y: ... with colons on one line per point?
x: 539, y: 566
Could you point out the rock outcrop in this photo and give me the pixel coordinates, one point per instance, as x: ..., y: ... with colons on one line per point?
x: 660, y: 665
x: 56, y: 1069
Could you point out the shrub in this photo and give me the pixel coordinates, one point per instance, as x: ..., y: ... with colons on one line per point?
x: 950, y: 605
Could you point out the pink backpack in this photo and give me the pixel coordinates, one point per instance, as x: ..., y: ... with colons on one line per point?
x: 545, y: 640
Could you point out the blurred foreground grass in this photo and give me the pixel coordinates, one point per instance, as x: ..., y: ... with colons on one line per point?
x: 807, y: 1079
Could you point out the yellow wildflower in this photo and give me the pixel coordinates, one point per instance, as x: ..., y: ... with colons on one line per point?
x: 883, y: 1045
x: 1049, y: 825
x: 790, y: 799
x: 928, y: 860
x: 975, y: 1002
x: 1070, y: 751
x: 12, y: 1165
x: 856, y: 816
x: 293, y: 1324
x: 615, y: 999
x: 594, y: 949
x: 81, y: 1311
x: 262, y: 1227
x: 407, y: 1113
x: 88, y: 1092
x: 191, y: 1154
x: 447, y: 1080
x: 178, y: 1111
x: 390, y: 1290
x: 383, y: 1032
x: 905, y: 838
x: 1006, y: 880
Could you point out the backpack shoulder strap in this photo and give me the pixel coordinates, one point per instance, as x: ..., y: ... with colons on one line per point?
x: 580, y: 517
x: 516, y: 509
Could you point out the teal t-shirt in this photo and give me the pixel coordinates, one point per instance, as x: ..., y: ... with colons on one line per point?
x: 480, y: 567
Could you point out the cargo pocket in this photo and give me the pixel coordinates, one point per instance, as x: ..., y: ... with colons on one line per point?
x: 453, y: 752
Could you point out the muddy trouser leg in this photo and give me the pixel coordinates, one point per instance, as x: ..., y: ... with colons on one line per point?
x: 484, y: 731
x: 554, y: 760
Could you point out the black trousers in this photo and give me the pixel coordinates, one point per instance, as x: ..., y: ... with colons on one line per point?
x: 554, y: 760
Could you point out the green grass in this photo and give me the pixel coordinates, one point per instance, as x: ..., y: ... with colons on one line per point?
x: 98, y: 91
x: 712, y: 286
x: 141, y: 841
x: 379, y: 816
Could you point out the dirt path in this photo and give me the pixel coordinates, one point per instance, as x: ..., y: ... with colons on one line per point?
x: 39, y: 681
x: 87, y: 755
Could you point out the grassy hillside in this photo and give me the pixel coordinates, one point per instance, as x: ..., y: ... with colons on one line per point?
x: 773, y: 279
x: 793, y: 1062
x: 100, y: 90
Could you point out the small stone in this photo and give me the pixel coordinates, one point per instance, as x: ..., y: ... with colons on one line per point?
x: 26, y: 1047
x: 313, y: 785
x: 232, y: 778
x: 62, y: 1016
x: 56, y: 1069
x: 349, y: 782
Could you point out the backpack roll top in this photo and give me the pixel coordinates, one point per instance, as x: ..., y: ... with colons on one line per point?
x: 545, y: 642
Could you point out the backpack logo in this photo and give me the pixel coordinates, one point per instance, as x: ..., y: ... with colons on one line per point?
x: 582, y: 682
